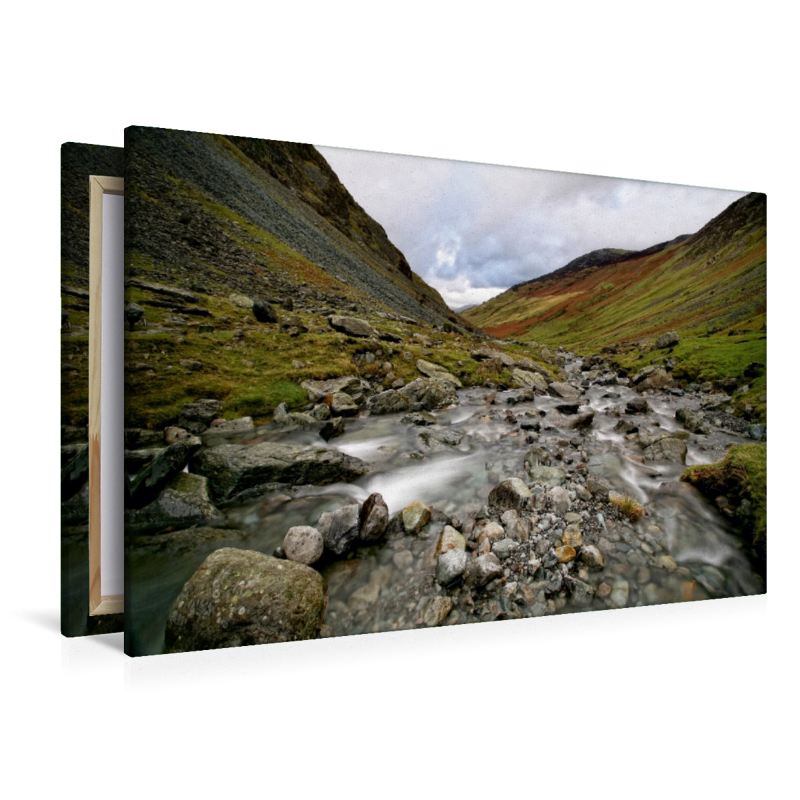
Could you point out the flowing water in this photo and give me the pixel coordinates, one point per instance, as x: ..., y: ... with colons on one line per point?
x: 386, y: 587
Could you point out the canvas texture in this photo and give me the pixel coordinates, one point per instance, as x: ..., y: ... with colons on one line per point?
x: 78, y: 162
x: 318, y: 445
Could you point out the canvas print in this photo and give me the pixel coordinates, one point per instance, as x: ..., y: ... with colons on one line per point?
x: 78, y: 162
x: 369, y: 393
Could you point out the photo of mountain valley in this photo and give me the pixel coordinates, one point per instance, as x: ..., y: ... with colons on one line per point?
x: 372, y: 393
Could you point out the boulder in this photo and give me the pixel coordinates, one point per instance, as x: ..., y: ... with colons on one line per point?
x: 419, y: 418
x: 436, y: 611
x: 196, y: 417
x: 240, y: 597
x: 503, y: 548
x: 317, y: 391
x: 483, y: 569
x: 435, y: 441
x: 303, y: 544
x: 332, y: 428
x: 373, y: 518
x: 523, y: 379
x: 592, y: 557
x: 431, y: 370
x: 597, y: 487
x: 428, y: 394
x: 147, y: 485
x: 352, y: 326
x: 657, y: 379
x: 174, y: 434
x: 666, y: 449
x: 668, y: 339
x: 340, y: 528
x: 451, y: 539
x: 559, y: 500
x: 241, y: 300
x: 564, y: 390
x: 450, y: 567
x: 263, y: 311
x: 343, y: 405
x: 565, y: 554
x: 183, y: 502
x: 637, y: 406
x: 511, y: 493
x: 388, y: 402
x: 415, y: 516
x: 235, y: 468
x: 487, y: 531
x: 232, y: 425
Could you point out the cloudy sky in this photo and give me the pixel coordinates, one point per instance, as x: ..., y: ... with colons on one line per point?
x: 473, y: 230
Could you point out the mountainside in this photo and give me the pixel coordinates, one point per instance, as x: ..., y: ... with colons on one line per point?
x: 260, y: 217
x: 714, y: 280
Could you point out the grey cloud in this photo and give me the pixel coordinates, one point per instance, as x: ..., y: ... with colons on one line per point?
x: 473, y: 230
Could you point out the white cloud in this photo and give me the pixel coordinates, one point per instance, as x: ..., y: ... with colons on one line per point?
x: 470, y: 228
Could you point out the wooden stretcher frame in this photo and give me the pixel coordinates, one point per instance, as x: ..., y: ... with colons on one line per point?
x: 99, y: 185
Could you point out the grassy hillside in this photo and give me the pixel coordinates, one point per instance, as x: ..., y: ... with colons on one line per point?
x: 709, y: 283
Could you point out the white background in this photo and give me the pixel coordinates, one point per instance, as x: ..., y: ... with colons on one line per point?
x: 686, y: 701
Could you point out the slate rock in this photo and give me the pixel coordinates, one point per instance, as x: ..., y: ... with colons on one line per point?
x: 373, y: 518
x: 340, y: 528
x: 234, y: 468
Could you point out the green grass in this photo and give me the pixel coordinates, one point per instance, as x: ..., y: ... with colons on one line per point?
x: 742, y: 477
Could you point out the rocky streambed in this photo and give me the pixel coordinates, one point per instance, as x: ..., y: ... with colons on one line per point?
x: 497, y: 505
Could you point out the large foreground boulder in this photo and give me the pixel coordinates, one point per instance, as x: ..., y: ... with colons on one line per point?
x: 235, y: 468
x: 240, y: 597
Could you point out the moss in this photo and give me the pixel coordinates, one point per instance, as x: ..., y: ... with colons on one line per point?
x: 741, y: 477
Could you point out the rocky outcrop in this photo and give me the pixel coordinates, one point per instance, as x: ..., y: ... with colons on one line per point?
x: 241, y: 597
x: 149, y: 483
x: 232, y: 468
x: 184, y: 502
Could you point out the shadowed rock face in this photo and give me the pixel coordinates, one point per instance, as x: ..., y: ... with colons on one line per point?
x: 241, y: 597
x: 232, y: 469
